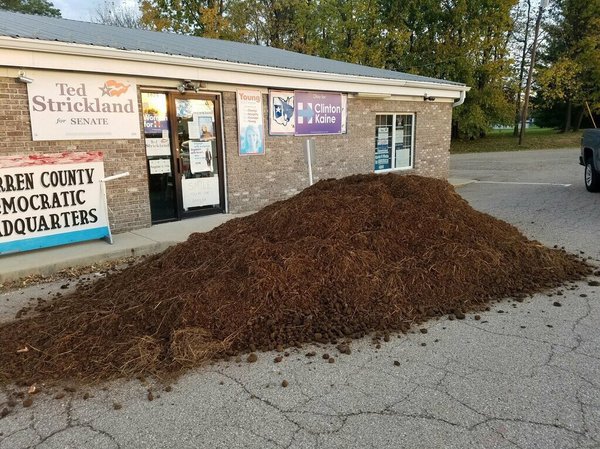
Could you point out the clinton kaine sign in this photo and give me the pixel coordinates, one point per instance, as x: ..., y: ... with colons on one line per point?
x: 51, y: 199
x: 67, y: 106
x: 318, y: 113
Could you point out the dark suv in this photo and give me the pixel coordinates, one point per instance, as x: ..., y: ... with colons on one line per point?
x: 590, y: 158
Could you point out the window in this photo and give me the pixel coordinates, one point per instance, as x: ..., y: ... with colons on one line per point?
x: 394, y: 142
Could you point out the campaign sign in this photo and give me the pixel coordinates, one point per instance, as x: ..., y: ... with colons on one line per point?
x: 318, y: 113
x: 250, y: 122
x: 71, y: 106
x: 51, y: 199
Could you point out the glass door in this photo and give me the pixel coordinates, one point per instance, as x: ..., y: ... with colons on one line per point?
x: 197, y: 153
x: 159, y: 159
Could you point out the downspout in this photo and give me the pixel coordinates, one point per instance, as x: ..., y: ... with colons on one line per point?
x: 461, y: 100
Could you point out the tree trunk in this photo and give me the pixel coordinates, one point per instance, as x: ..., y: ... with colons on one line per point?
x: 455, y: 134
x: 579, y: 120
x: 522, y: 72
x: 568, y: 116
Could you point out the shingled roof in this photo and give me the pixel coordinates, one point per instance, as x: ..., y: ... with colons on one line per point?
x: 26, y: 26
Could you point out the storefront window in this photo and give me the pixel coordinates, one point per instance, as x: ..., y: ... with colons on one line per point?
x: 394, y: 142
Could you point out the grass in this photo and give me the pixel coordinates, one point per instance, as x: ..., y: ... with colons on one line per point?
x: 503, y: 140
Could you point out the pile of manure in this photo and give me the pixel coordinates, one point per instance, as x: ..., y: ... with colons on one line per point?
x: 341, y: 259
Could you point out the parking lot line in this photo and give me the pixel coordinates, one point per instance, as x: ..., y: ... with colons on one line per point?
x: 525, y: 183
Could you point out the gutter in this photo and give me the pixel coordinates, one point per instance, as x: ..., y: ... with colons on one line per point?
x: 461, y: 100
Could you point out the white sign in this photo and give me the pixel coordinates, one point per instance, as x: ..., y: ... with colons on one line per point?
x: 72, y: 106
x: 159, y: 166
x: 250, y: 122
x: 157, y: 146
x: 51, y: 199
x: 200, y: 156
x: 199, y: 192
x: 281, y: 113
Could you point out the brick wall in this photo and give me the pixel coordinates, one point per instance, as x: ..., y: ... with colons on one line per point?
x: 127, y: 197
x: 255, y: 181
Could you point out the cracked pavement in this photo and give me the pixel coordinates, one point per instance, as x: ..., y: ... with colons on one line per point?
x: 524, y: 375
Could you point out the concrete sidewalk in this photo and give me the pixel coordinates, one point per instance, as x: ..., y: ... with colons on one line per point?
x: 135, y: 243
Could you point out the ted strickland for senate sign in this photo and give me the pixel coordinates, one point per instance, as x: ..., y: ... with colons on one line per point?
x: 75, y: 106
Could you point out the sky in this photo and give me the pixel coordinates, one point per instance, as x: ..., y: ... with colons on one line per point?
x: 85, y: 9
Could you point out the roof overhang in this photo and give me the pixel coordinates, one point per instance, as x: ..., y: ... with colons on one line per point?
x: 40, y: 54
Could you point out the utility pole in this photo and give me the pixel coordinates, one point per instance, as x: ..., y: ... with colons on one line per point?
x: 538, y: 22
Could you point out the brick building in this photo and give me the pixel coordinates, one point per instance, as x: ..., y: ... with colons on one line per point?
x: 191, y: 139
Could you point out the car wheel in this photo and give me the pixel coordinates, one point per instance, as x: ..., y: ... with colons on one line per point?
x: 591, y: 177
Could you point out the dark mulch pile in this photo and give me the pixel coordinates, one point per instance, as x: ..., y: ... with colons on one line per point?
x: 340, y: 259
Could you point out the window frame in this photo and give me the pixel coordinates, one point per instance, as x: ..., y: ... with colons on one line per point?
x: 412, y: 141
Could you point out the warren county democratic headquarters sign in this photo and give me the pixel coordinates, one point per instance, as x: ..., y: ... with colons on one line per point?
x: 51, y: 199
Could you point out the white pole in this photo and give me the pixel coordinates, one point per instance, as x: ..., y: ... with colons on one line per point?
x: 309, y: 160
x: 110, y: 178
x: 105, y: 199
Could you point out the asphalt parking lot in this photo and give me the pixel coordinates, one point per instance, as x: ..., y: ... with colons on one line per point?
x: 540, y: 192
x: 525, y: 375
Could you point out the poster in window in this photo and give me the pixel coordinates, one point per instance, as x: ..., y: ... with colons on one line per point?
x: 204, y: 125
x: 383, y: 156
x: 201, y: 159
x: 250, y: 122
x: 157, y: 146
x: 199, y: 192
x: 154, y: 107
x: 159, y: 166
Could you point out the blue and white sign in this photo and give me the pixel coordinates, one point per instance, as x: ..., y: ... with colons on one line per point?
x: 318, y: 113
x: 282, y: 119
x: 51, y: 199
x: 250, y: 122
x: 383, y: 156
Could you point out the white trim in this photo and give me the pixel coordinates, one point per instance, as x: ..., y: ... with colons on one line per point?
x: 391, y: 170
x: 34, y: 53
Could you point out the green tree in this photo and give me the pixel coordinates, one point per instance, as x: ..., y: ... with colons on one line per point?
x: 458, y: 40
x: 465, y: 41
x: 38, y: 7
x: 356, y: 31
x: 277, y: 23
x: 520, y: 46
x: 208, y: 18
x: 570, y: 72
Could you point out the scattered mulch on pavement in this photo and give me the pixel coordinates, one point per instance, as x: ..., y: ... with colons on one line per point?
x: 74, y: 274
x: 339, y: 260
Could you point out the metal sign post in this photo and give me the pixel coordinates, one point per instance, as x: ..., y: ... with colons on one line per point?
x: 103, y: 190
x: 309, y: 153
